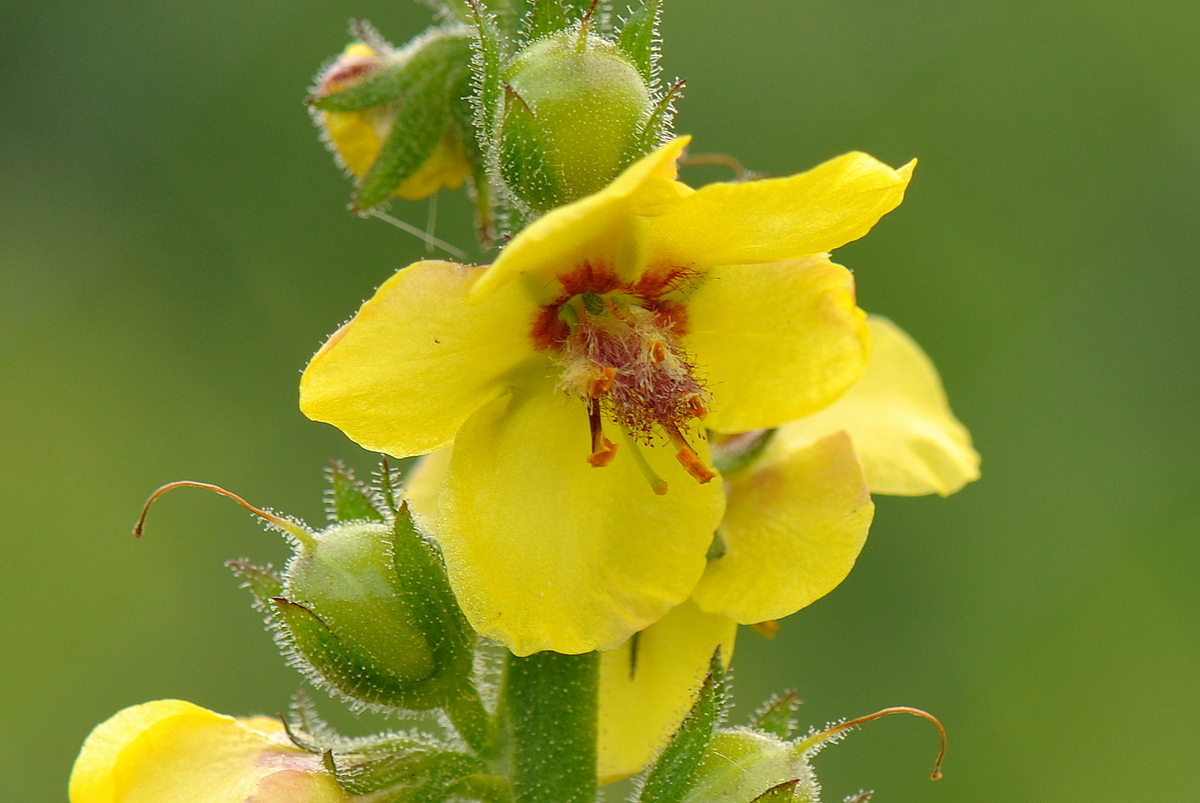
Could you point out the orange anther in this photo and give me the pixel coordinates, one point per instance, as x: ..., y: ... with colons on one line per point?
x: 603, y: 455
x: 603, y: 383
x: 695, y: 466
x: 767, y: 629
x: 697, y: 406
x: 658, y: 352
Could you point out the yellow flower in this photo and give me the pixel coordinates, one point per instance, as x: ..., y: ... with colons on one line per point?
x: 795, y: 523
x: 357, y: 137
x: 650, y: 312
x: 171, y: 751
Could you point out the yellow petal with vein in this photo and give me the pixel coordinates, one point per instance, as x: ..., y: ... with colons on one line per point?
x: 546, y: 552
x: 909, y: 441
x: 780, y: 218
x: 795, y: 523
x: 648, y: 686
x: 775, y: 342
x: 417, y: 361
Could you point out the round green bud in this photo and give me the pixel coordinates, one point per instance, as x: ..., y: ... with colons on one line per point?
x: 346, y: 577
x: 367, y: 611
x: 574, y: 108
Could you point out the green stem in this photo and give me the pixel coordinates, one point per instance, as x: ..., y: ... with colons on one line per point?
x: 550, y: 703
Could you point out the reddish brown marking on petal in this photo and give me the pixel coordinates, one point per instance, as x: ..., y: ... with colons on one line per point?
x: 599, y: 279
x: 346, y: 70
x: 658, y: 280
x: 672, y: 317
x: 549, y: 330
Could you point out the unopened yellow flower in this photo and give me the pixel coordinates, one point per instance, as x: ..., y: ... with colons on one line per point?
x: 795, y: 523
x: 357, y: 137
x: 648, y: 312
x: 171, y: 751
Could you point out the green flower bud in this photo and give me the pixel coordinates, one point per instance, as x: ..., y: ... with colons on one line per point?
x: 574, y: 109
x: 364, y: 608
x: 741, y: 766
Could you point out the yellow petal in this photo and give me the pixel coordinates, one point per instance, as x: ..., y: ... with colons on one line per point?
x: 776, y: 341
x: 897, y: 415
x: 354, y: 138
x: 446, y: 167
x: 416, y: 360
x: 783, y: 218
x: 601, y: 230
x: 171, y: 751
x: 423, y: 484
x: 644, y: 697
x: 546, y: 552
x: 795, y: 524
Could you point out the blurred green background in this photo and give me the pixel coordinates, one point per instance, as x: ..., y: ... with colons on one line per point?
x: 174, y: 245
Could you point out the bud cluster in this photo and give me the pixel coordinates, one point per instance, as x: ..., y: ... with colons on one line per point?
x: 535, y: 113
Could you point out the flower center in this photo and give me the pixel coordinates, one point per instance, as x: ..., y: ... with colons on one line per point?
x: 622, y: 356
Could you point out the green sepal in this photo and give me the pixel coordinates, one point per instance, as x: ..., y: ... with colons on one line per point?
x: 740, y: 451
x: 305, y: 727
x: 438, y: 55
x: 655, y: 128
x: 345, y: 669
x: 546, y: 17
x: 372, y: 92
x: 407, y: 768
x: 387, y: 482
x: 488, y: 49
x: 524, y: 163
x: 347, y: 499
x: 462, y: 119
x: 745, y: 766
x: 673, y: 774
x: 639, y: 39
x: 776, y: 716
x: 786, y: 792
x: 418, y: 128
x: 263, y: 581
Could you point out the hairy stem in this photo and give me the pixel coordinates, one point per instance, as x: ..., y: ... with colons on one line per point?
x: 551, y: 707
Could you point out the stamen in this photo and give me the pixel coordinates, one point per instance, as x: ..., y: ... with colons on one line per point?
x: 603, y: 383
x: 603, y: 450
x: 657, y: 483
x: 658, y: 352
x: 688, y: 458
x: 697, y: 406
